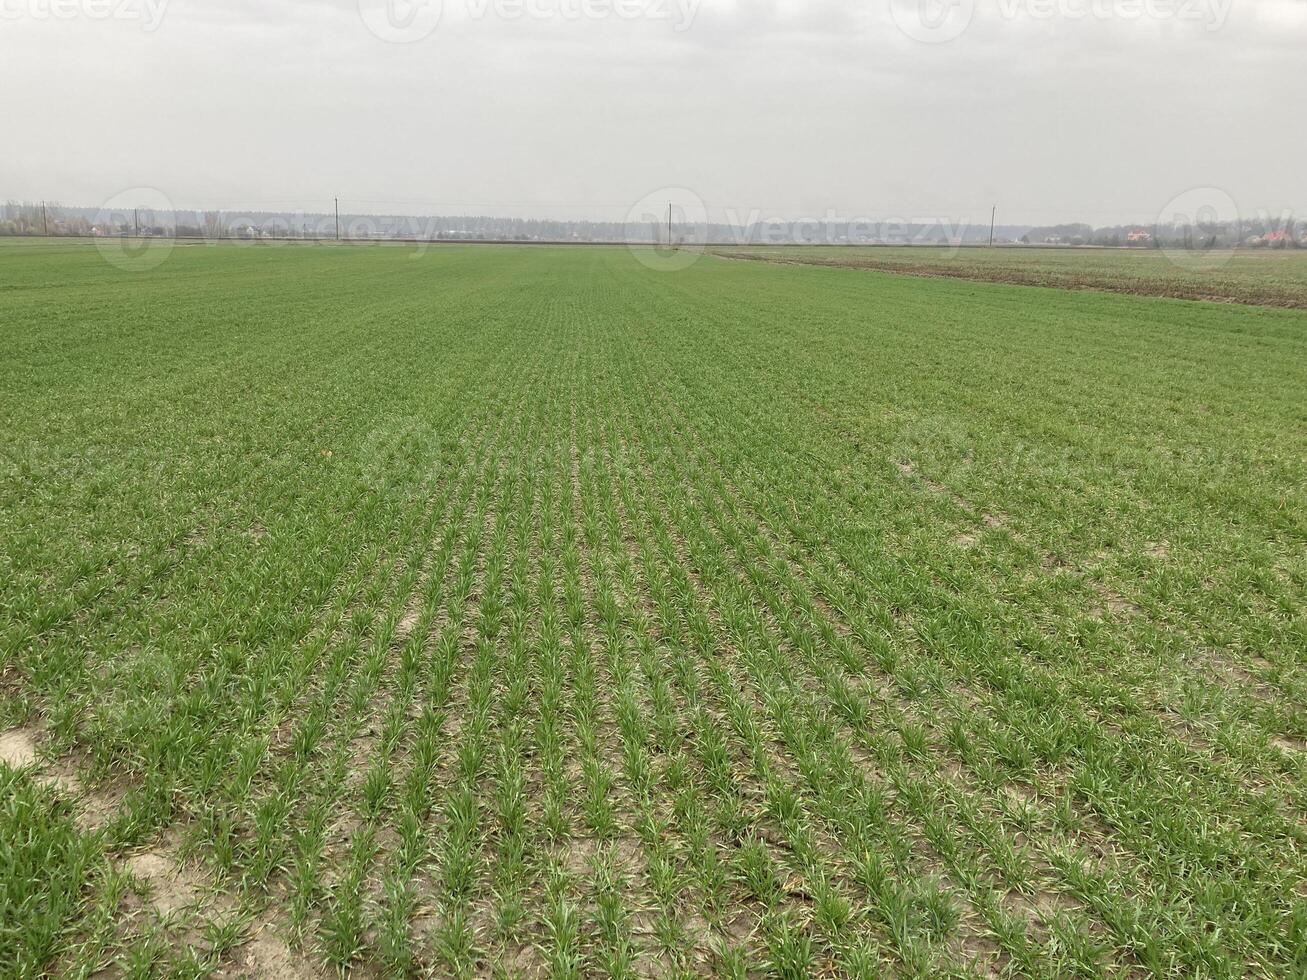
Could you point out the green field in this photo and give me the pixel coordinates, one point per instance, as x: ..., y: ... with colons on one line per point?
x: 527, y: 612
x: 1268, y: 277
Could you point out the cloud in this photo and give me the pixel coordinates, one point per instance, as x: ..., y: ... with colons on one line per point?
x: 775, y: 104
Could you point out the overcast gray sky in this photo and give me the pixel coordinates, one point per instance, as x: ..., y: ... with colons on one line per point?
x: 1098, y: 110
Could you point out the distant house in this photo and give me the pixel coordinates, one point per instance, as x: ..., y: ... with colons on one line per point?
x: 1278, y: 239
x: 1138, y: 237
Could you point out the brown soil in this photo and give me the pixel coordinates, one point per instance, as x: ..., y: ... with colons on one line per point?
x: 1212, y: 292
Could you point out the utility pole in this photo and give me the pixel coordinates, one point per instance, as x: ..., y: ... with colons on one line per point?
x: 337, y: 219
x: 136, y: 215
x: 45, y: 220
x: 669, y: 224
x: 992, y: 215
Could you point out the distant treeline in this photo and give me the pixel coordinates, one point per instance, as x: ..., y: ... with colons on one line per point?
x: 53, y: 219
x: 1261, y: 231
x: 27, y: 218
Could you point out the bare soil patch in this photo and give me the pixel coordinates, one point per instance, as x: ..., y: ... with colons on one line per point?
x: 18, y: 748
